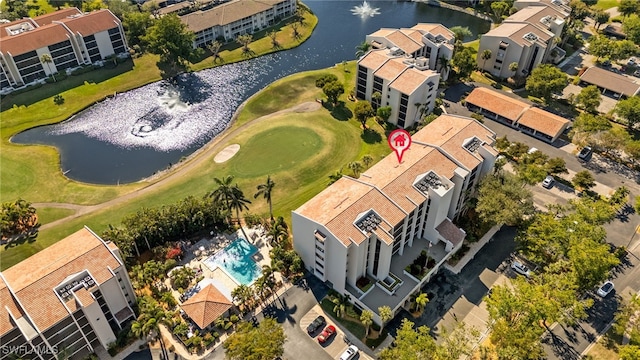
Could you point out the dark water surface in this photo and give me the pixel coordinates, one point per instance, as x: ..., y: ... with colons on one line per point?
x: 142, y: 131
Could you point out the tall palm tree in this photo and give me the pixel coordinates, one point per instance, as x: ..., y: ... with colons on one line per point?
x: 278, y: 233
x: 486, y: 55
x: 341, y: 303
x: 242, y: 294
x: 238, y: 203
x: 513, y: 67
x: 356, y: 168
x: 46, y: 59
x: 148, y: 324
x: 265, y: 190
x: 421, y: 301
x: 214, y: 47
x: 366, y: 318
x: 367, y: 160
x: 445, y: 66
x: 224, y: 192
x: 362, y: 49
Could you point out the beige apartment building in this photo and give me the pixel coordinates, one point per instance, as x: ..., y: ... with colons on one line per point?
x: 72, y: 297
x: 529, y: 37
x: 374, y: 226
x: 405, y: 84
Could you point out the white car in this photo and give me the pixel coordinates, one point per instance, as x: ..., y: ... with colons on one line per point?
x: 547, y: 183
x: 350, y: 353
x: 605, y: 289
x: 520, y: 268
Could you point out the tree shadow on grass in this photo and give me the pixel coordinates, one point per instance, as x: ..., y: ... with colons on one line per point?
x: 338, y: 111
x: 370, y: 136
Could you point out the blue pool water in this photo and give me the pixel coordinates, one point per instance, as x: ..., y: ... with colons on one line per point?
x: 236, y: 260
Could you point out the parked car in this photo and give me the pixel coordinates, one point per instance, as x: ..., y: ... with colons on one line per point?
x: 585, y: 153
x: 326, y: 334
x: 520, y: 268
x: 547, y: 183
x: 350, y: 353
x: 605, y: 289
x: 316, y: 324
x: 631, y: 62
x: 636, y: 73
x: 606, y: 63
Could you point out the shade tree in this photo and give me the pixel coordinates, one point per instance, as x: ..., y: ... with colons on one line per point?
x: 589, y: 98
x: 546, y: 80
x: 363, y: 111
x: 170, y: 38
x: 629, y: 110
x: 502, y: 199
x: 265, y: 342
x: 332, y: 91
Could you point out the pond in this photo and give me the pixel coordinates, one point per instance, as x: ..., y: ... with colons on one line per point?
x: 140, y: 132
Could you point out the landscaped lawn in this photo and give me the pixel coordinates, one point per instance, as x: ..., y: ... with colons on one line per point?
x: 332, y: 145
x: 607, y: 4
x: 50, y: 214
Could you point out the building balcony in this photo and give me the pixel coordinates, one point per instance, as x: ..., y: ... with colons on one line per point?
x: 377, y: 296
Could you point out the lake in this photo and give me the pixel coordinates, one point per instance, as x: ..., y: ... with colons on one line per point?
x: 140, y: 132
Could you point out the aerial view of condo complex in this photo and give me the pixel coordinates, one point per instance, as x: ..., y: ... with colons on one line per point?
x: 320, y: 179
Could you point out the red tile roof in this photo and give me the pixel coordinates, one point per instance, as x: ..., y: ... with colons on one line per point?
x: 92, y: 23
x: 206, y: 306
x: 544, y: 121
x: 34, y: 279
x: 58, y: 15
x: 497, y: 103
x: 33, y: 39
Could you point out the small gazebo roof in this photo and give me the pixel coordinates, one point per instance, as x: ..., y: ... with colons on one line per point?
x: 206, y: 306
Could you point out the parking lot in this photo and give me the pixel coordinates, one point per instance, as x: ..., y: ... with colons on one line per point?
x: 337, y: 344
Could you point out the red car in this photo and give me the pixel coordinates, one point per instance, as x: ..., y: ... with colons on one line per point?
x: 326, y: 334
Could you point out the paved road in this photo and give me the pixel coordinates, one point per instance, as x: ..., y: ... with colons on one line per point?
x: 296, y: 302
x: 568, y: 343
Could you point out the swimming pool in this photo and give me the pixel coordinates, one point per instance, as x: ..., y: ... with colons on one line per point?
x: 236, y: 261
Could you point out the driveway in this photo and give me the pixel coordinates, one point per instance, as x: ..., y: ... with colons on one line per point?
x: 289, y: 310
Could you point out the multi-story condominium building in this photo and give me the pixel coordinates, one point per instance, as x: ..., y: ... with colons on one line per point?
x: 388, y: 78
x: 562, y: 5
x: 69, y: 37
x: 434, y: 42
x: 526, y: 38
x: 237, y: 17
x: 71, y: 298
x: 373, y: 227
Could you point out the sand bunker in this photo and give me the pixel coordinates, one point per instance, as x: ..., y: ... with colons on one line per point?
x: 226, y: 153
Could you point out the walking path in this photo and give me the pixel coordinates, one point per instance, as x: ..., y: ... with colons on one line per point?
x: 179, y: 171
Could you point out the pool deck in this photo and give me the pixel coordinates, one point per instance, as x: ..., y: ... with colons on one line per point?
x: 209, y: 246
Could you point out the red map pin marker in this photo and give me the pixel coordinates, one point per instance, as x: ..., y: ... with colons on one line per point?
x: 399, y: 141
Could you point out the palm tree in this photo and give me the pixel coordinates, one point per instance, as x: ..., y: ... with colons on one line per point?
x: 245, y: 40
x: 356, y: 167
x: 46, y: 59
x: 367, y: 160
x: 265, y: 190
x: 513, y: 67
x: 278, y: 232
x: 274, y: 42
x: 214, y: 47
x: 421, y: 301
x: 224, y: 192
x: 362, y: 49
x: 366, y: 318
x: 148, y: 324
x: 341, y: 303
x: 242, y: 294
x: 375, y: 97
x: 486, y: 55
x: 385, y: 314
x: 445, y: 66
x: 238, y: 203
x: 295, y: 33
x: 335, y: 177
